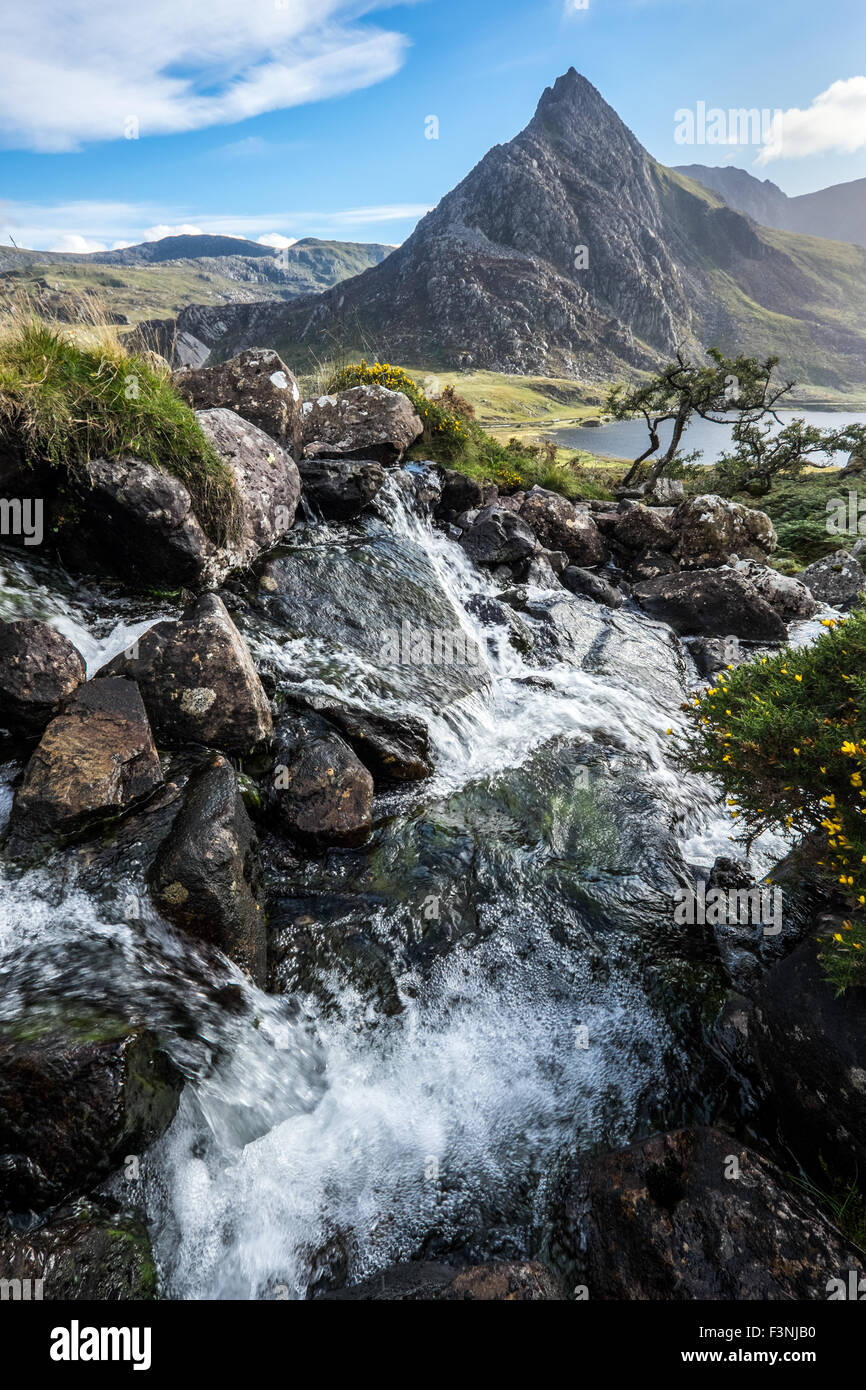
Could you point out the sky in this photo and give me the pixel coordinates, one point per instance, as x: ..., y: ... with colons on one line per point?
x: 279, y: 119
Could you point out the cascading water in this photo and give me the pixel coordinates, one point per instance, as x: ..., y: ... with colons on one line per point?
x: 493, y: 982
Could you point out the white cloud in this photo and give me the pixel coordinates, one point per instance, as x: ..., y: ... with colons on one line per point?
x: 72, y: 241
x: 836, y: 121
x: 279, y: 243
x: 166, y: 229
x: 81, y: 70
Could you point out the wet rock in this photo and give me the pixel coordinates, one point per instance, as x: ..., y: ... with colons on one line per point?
x: 559, y: 525
x: 258, y: 386
x: 365, y: 422
x: 198, y: 681
x: 497, y: 537
x: 96, y: 760
x: 709, y: 529
x: 267, y: 482
x: 789, y: 597
x: 84, y: 1252
x: 340, y: 488
x: 538, y: 571
x: 395, y: 748
x: 206, y: 878
x: 715, y: 602
x: 39, y: 669
x: 809, y: 1046
x: 78, y: 1093
x: 693, y: 1214
x: 460, y: 493
x: 498, y: 1282
x: 837, y: 579
x: 494, y: 613
x: 322, y: 793
x: 581, y: 581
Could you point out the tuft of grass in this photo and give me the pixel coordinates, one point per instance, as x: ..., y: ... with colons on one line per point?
x: 843, y: 1201
x: 71, y: 395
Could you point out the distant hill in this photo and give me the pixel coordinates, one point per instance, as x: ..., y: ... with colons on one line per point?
x: 838, y: 212
x: 570, y: 252
x: 159, y: 278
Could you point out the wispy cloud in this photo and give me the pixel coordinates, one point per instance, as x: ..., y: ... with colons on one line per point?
x: 81, y: 70
x: 835, y: 121
x: 95, y: 225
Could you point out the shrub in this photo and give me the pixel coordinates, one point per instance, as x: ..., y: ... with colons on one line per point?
x: 786, y: 736
x: 445, y: 430
x: 66, y: 398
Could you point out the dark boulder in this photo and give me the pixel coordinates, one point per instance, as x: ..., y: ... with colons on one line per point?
x: 365, y: 422
x: 837, y: 579
x: 711, y: 602
x: 39, y: 669
x: 460, y: 493
x: 84, y: 1252
x: 198, y: 681
x: 206, y: 878
x: 497, y: 537
x: 395, y: 748
x: 77, y: 1094
x: 559, y: 525
x: 258, y: 386
x: 340, y: 488
x: 96, y: 760
x: 322, y: 793
x: 581, y: 581
x: 693, y: 1214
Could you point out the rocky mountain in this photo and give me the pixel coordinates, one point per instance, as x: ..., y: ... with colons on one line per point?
x: 570, y: 251
x: 838, y: 212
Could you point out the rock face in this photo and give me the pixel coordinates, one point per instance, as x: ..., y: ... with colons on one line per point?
x: 664, y: 1220
x: 559, y: 525
x: 837, y: 579
x: 340, y: 488
x: 95, y: 761
x: 206, y: 877
x: 810, y: 1051
x: 198, y: 681
x: 709, y: 529
x: 497, y: 537
x: 74, y: 1100
x: 258, y: 386
x: 790, y: 599
x: 85, y: 1252
x: 711, y: 602
x: 267, y: 481
x: 365, y: 422
x: 322, y: 792
x: 39, y: 669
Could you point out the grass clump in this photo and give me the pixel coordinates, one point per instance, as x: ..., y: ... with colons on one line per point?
x: 68, y: 396
x: 786, y: 737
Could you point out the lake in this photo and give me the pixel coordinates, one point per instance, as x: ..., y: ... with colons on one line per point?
x: 628, y: 438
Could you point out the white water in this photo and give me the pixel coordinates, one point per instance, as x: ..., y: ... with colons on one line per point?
x: 305, y: 1130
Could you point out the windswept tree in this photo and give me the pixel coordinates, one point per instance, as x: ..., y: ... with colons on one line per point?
x: 762, y: 453
x: 684, y: 390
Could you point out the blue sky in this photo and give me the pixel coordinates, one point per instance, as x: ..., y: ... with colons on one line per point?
x: 288, y: 118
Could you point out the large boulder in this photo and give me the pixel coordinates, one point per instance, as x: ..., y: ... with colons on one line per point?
x: 590, y: 585
x: 39, y: 669
x: 96, y: 760
x: 322, y: 793
x: 206, y: 877
x: 637, y: 529
x: 395, y: 748
x: 460, y: 493
x: 365, y: 422
x: 693, y: 1215
x: 198, y: 681
x: 497, y: 537
x: 258, y: 386
x: 837, y: 579
x: 267, y: 481
x: 86, y: 1251
x: 340, y: 488
x: 559, y: 525
x: 709, y: 529
x: 711, y: 602
x: 789, y: 597
x: 77, y: 1094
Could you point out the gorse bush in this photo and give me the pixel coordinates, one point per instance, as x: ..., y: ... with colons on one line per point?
x: 453, y: 437
x: 68, y: 397
x: 786, y: 736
